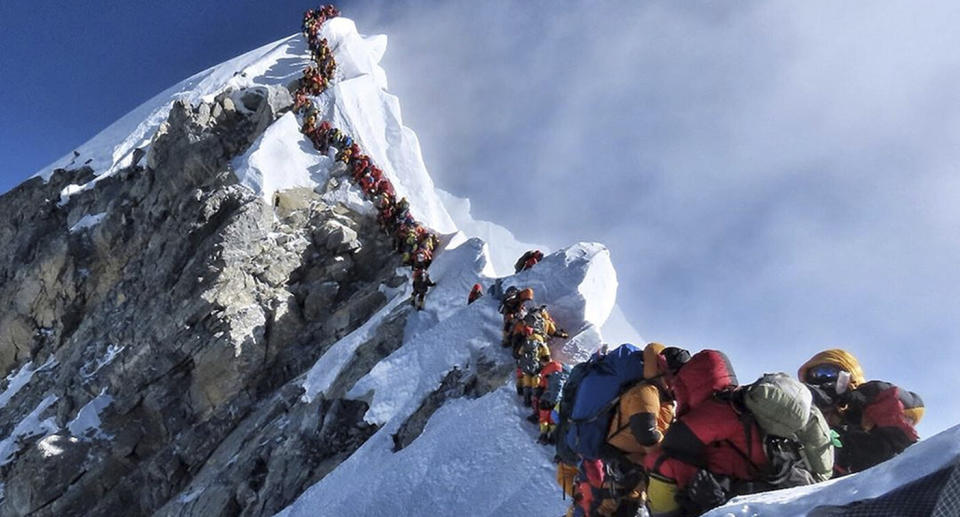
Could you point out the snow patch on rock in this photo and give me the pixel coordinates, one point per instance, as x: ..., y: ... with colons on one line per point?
x: 281, y: 158
x: 87, y: 221
x: 17, y: 380
x: 30, y: 426
x: 87, y: 422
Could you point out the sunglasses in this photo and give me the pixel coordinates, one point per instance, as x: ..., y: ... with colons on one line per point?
x: 823, y: 374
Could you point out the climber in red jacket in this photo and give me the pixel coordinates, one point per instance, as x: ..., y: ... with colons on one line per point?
x: 528, y: 260
x: 708, y: 438
x: 475, y: 293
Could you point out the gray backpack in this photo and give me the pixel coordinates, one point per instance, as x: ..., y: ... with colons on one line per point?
x: 530, y: 357
x: 783, y: 407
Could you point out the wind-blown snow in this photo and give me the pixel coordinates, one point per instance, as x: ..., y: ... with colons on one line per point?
x: 505, y: 249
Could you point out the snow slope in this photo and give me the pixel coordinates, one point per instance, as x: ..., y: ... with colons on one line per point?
x: 465, y: 462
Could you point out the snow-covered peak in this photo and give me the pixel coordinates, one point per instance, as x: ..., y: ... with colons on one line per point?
x: 359, y: 105
x: 276, y: 63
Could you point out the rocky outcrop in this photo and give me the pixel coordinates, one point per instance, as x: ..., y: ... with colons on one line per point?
x: 488, y: 375
x: 174, y: 310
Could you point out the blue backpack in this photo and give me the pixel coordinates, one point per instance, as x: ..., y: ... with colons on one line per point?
x: 598, y: 393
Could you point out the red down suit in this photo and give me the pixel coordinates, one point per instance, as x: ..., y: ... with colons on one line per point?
x: 708, y: 433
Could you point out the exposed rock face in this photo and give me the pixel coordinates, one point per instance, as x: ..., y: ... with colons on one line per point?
x: 193, y: 306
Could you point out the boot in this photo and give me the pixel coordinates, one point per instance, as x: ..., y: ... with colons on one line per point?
x: 533, y: 419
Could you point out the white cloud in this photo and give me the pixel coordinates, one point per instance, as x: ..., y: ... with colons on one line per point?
x: 771, y: 179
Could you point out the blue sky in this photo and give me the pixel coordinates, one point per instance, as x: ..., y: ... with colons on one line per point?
x: 771, y: 178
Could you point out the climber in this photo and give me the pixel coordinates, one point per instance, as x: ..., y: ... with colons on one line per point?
x: 592, y: 497
x: 552, y: 377
x: 531, y: 354
x: 528, y: 260
x: 301, y: 101
x: 475, y: 293
x: 537, y: 319
x: 511, y: 307
x: 434, y: 240
x: 874, y: 420
x: 640, y: 420
x: 409, y: 246
x: 422, y: 258
x: 384, y: 189
x: 403, y: 205
x: 320, y: 136
x: 360, y: 167
x: 421, y: 282
x: 309, y: 123
x: 367, y: 185
x: 543, y: 323
x: 708, y: 439
x: 733, y: 440
x: 646, y: 409
x: 385, y: 213
x: 399, y: 232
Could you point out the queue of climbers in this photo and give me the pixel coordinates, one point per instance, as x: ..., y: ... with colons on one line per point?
x: 414, y: 242
x: 660, y: 431
x: 652, y: 431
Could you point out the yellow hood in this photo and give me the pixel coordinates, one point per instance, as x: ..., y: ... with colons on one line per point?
x: 651, y: 363
x: 841, y: 358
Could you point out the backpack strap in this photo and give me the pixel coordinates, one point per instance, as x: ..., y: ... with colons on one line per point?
x: 746, y: 419
x: 606, y: 407
x: 620, y: 425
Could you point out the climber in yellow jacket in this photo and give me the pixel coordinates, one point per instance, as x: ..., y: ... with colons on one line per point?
x: 640, y: 421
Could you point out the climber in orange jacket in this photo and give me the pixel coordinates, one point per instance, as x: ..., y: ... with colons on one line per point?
x: 645, y: 411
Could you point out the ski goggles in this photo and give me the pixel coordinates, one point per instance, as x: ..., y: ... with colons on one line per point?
x: 822, y: 374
